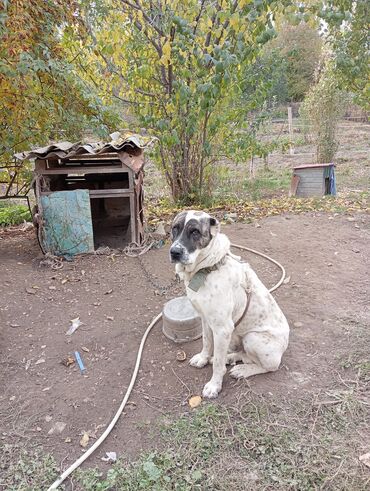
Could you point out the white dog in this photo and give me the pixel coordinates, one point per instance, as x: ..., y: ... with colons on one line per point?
x: 241, y: 320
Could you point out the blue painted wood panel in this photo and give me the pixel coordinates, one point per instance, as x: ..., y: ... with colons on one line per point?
x: 67, y: 228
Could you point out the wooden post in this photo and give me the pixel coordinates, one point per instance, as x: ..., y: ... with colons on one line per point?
x: 251, y: 168
x: 290, y: 128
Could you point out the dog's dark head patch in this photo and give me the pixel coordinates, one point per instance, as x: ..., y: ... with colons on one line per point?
x: 191, y: 232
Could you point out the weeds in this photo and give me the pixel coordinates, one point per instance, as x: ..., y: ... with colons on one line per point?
x: 13, y: 214
x: 255, y: 444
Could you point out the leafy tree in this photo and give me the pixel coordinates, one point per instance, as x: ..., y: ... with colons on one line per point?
x: 323, y: 107
x: 41, y: 97
x: 178, y: 65
x: 298, y: 47
x: 348, y: 34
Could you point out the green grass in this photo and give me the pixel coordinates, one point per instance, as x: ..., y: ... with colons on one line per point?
x: 255, y: 445
x: 22, y: 470
x: 11, y: 214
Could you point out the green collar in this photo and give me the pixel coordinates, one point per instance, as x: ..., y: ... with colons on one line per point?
x: 200, y: 276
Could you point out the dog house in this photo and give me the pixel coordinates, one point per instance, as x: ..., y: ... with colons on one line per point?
x: 89, y: 195
x: 313, y: 180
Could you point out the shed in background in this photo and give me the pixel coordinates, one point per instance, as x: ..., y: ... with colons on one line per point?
x: 89, y: 195
x: 313, y: 180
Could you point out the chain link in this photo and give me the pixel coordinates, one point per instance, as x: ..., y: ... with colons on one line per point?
x: 161, y: 289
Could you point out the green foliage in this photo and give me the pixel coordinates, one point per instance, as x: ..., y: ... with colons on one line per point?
x: 13, y: 214
x: 23, y: 470
x: 348, y: 34
x: 41, y: 97
x: 296, y: 52
x: 178, y: 65
x: 324, y: 105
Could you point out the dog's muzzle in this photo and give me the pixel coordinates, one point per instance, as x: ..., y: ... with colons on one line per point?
x: 176, y: 253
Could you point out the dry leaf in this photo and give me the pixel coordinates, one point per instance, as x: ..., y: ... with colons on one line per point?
x: 85, y: 349
x: 84, y: 440
x: 195, y: 401
x: 30, y: 291
x: 108, y: 292
x: 181, y: 356
x: 41, y: 360
x: 68, y: 361
x: 286, y: 281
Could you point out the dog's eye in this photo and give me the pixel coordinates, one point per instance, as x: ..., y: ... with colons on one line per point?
x: 195, y: 233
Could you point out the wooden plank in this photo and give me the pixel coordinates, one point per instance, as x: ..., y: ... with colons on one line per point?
x: 133, y: 218
x: 100, y: 193
x: 294, y: 185
x: 81, y: 171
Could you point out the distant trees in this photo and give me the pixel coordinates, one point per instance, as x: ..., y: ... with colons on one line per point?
x: 296, y: 53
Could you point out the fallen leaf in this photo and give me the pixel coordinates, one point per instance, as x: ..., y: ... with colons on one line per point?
x: 181, y: 356
x: 195, y: 401
x: 41, y: 360
x: 365, y: 459
x: 30, y: 291
x: 52, y: 287
x: 13, y: 324
x: 110, y: 318
x: 84, y: 440
x: 108, y: 292
x: 298, y: 324
x: 286, y: 281
x: 68, y: 361
x: 85, y: 349
x: 64, y: 281
x: 68, y: 440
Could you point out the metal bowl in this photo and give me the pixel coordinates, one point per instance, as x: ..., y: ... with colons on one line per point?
x: 181, y: 323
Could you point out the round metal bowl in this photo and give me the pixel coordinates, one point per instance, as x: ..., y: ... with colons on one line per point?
x: 181, y: 323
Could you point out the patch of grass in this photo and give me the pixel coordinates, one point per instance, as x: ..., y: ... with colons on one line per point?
x: 255, y: 444
x: 13, y: 214
x: 22, y: 470
x: 266, y: 182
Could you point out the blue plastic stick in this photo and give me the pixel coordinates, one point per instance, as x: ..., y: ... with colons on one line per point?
x: 79, y: 361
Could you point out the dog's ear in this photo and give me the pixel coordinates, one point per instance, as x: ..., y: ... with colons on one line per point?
x: 214, y: 226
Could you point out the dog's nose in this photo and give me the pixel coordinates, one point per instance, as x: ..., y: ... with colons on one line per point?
x: 175, y: 253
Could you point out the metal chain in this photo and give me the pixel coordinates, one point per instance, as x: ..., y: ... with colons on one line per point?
x: 162, y: 289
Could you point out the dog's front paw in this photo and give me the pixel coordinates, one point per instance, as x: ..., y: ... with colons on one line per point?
x: 199, y: 360
x: 211, y: 390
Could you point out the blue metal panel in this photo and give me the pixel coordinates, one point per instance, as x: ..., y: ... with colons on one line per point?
x: 67, y: 228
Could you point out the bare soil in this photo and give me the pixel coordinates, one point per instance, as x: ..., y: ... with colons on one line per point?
x: 326, y: 302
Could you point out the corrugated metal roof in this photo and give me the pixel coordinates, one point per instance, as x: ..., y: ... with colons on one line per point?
x: 120, y: 141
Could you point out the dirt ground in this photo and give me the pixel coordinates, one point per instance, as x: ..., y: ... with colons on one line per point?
x: 326, y: 302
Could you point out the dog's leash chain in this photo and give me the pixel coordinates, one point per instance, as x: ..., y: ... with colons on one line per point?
x: 160, y: 289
